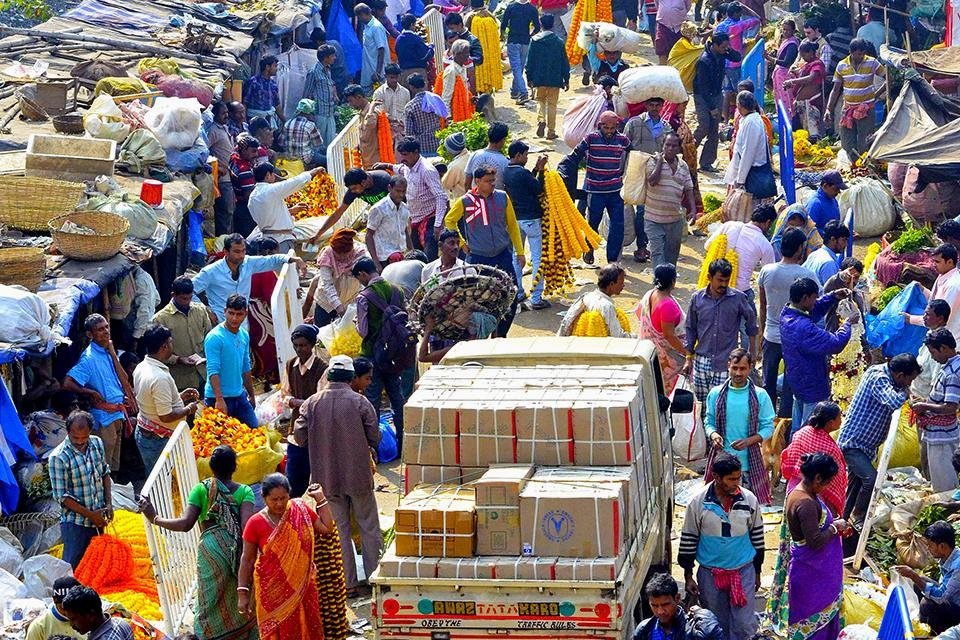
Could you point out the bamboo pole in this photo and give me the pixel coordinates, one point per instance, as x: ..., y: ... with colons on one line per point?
x: 19, y: 42
x: 121, y: 45
x: 9, y: 118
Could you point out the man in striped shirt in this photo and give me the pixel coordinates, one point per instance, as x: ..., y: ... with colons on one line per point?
x: 605, y: 152
x: 855, y: 80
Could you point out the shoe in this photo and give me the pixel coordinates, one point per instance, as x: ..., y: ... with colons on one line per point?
x: 588, y: 257
x: 541, y: 128
x: 586, y: 79
x: 709, y: 169
x: 552, y: 135
x: 641, y: 255
x: 523, y: 100
x: 513, y: 96
x: 543, y: 304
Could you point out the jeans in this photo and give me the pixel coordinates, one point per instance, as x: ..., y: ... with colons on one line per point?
x: 861, y: 476
x: 298, y: 469
x: 76, y: 539
x: 708, y: 127
x: 517, y: 53
x: 854, y: 140
x: 652, y: 24
x: 772, y: 355
x: 613, y: 203
x: 223, y: 208
x: 739, y: 623
x: 801, y: 413
x: 939, y: 615
x: 393, y: 384
x: 150, y: 446
x: 504, y: 262
x: 532, y: 233
x: 635, y: 212
x: 238, y: 407
x: 327, y: 128
x: 664, y: 239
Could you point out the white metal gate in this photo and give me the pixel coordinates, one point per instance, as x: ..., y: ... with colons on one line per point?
x: 287, y: 311
x: 343, y: 154
x: 433, y: 20
x: 174, y: 554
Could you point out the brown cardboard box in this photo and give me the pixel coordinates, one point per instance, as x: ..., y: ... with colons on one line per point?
x: 544, y: 434
x: 603, y: 430
x: 467, y: 568
x: 523, y: 568
x: 437, y: 521
x: 414, y: 474
x: 593, y: 569
x: 486, y: 433
x: 498, y: 509
x: 624, y: 476
x: 394, y: 566
x: 572, y: 520
x: 430, y: 435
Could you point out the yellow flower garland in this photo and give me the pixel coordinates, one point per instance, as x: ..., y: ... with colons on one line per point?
x: 718, y: 249
x: 591, y: 324
x: 489, y: 75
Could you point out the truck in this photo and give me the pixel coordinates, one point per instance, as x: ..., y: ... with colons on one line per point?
x: 604, y: 607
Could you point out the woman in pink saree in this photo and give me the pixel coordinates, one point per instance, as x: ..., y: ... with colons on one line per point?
x: 787, y: 54
x: 662, y: 321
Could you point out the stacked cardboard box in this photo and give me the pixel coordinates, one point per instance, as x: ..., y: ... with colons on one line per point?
x: 416, y: 474
x: 437, y: 521
x: 498, y: 509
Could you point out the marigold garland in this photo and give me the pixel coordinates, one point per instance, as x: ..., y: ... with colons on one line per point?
x: 585, y: 11
x: 320, y: 196
x: 385, y: 139
x: 461, y: 104
x: 566, y: 235
x: 591, y: 324
x: 490, y: 72
x: 718, y: 249
x: 212, y: 428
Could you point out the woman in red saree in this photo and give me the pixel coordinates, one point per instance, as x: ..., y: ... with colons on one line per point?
x: 283, y: 580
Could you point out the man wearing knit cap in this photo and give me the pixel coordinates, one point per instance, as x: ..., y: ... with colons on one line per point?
x: 454, y: 178
x: 54, y: 621
x: 605, y: 152
x: 303, y: 137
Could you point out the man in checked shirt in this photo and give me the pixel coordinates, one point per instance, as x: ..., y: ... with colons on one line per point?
x: 426, y: 197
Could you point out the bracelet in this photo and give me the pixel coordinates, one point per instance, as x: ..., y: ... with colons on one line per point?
x: 833, y: 528
x: 322, y: 504
x: 247, y: 589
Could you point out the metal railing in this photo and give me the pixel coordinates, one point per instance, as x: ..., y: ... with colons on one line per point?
x: 287, y: 311
x: 174, y: 554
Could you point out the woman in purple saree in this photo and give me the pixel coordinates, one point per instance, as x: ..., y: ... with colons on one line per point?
x: 808, y: 583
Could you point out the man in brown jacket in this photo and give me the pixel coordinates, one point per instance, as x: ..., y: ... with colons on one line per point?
x: 340, y: 429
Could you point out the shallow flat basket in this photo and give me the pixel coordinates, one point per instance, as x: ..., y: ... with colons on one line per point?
x: 110, y: 229
x: 70, y: 123
x: 24, y: 266
x: 28, y: 203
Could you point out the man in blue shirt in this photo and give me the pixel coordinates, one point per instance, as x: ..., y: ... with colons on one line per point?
x: 232, y: 274
x: 99, y: 376
x: 229, y: 385
x: 825, y: 261
x: 822, y: 206
x: 376, y: 52
x: 413, y: 53
x: 940, y: 606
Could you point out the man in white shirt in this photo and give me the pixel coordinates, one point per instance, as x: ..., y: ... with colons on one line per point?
x: 946, y: 287
x: 448, y: 264
x: 388, y: 225
x: 268, y: 207
x: 394, y: 97
x: 162, y: 407
x: 749, y: 240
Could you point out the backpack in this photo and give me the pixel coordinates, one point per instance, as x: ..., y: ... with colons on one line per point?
x: 395, y: 347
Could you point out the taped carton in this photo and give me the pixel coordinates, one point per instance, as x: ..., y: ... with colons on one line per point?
x: 414, y: 474
x: 624, y: 476
x: 591, y: 569
x: 487, y: 434
x: 525, y: 568
x: 436, y: 521
x: 498, y: 509
x: 467, y: 568
x: 430, y: 434
x: 394, y: 566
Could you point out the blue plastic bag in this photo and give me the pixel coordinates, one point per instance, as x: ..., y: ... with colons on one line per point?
x: 387, y: 450
x: 190, y: 160
x: 198, y: 250
x: 338, y: 28
x: 889, y: 329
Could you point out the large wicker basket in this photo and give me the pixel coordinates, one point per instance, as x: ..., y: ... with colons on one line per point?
x: 28, y: 203
x: 24, y: 266
x: 110, y: 229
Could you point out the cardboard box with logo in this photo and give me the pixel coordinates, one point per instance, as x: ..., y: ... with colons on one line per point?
x: 624, y: 476
x: 573, y: 520
x: 498, y: 509
x: 437, y: 521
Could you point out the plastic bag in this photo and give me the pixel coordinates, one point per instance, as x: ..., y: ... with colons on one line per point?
x: 857, y: 632
x: 913, y: 602
x: 737, y: 206
x: 10, y: 554
x: 683, y: 57
x: 906, y: 447
x: 888, y: 328
x: 924, y: 206
x: 635, y: 178
x: 863, y: 603
x: 105, y: 120
x: 689, y: 439
x: 582, y: 116
x: 25, y: 321
x: 119, y: 86
x: 873, y: 210
x: 188, y: 160
x: 638, y: 84
x: 387, y: 450
x: 141, y: 150
x: 175, y: 121
x: 340, y: 337
x: 270, y: 409
x: 252, y: 466
x: 174, y: 86
x: 10, y: 587
x: 610, y: 37
x: 40, y: 572
x: 142, y: 217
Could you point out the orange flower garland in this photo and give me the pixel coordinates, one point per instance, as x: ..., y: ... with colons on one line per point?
x: 585, y: 11
x: 212, y: 428
x: 385, y: 139
x: 319, y: 195
x: 461, y: 106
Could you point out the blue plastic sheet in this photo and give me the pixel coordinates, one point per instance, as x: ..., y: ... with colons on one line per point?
x: 338, y: 28
x: 387, y: 450
x: 889, y: 330
x: 190, y: 160
x: 198, y: 250
x: 754, y: 67
x: 787, y: 171
x: 895, y: 624
x: 16, y: 438
x: 416, y: 8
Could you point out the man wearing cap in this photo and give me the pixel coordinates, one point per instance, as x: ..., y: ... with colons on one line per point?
x: 340, y: 430
x: 822, y: 207
x: 53, y: 621
x: 605, y: 152
x: 268, y: 206
x: 369, y: 121
x: 423, y: 115
x: 303, y: 138
x: 456, y: 175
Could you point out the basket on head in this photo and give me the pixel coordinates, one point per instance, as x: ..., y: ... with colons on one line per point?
x: 28, y: 203
x: 109, y: 231
x: 71, y: 123
x: 24, y: 266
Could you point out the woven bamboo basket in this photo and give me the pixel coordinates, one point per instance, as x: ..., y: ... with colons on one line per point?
x: 110, y: 230
x: 24, y: 266
x: 29, y: 203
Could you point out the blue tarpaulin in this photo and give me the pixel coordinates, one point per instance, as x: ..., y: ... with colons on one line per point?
x: 416, y: 8
x: 889, y: 330
x: 338, y: 28
x: 17, y: 446
x: 786, y: 155
x: 895, y: 624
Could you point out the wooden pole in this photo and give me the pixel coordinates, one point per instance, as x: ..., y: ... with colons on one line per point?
x: 122, y: 45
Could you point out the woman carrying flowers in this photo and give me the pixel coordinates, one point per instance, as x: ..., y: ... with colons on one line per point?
x: 595, y: 313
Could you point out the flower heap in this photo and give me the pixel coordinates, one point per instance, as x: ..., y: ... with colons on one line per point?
x: 718, y: 249
x: 585, y: 11
x: 320, y: 196
x: 346, y: 342
x: 592, y: 325
x: 810, y: 153
x: 490, y: 73
x: 212, y: 428
x: 385, y: 139
x: 566, y: 235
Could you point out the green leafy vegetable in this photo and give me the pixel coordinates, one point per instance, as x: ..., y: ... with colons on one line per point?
x: 884, y: 298
x: 475, y: 132
x: 913, y: 240
x: 711, y: 203
x: 928, y: 515
x: 882, y: 549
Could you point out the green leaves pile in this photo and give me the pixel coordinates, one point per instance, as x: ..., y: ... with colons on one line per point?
x: 882, y: 549
x: 474, y: 130
x: 711, y: 203
x: 884, y: 298
x: 913, y: 240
